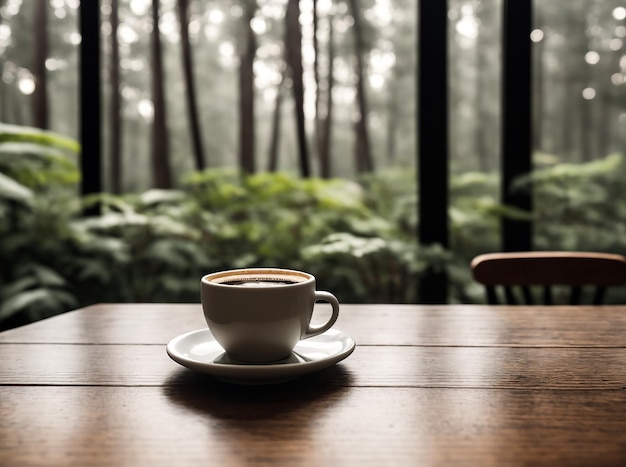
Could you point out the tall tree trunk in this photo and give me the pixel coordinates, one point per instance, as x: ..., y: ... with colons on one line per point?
x: 364, y: 160
x: 539, y: 91
x: 317, y: 79
x: 608, y: 138
x: 483, y: 124
x: 160, y: 164
x: 272, y: 159
x: 392, y: 118
x: 115, y: 112
x: 586, y: 107
x: 482, y: 113
x: 325, y: 156
x: 246, y: 92
x: 293, y: 46
x: 586, y: 122
x: 566, y: 113
x: 192, y: 107
x: 40, y: 54
x: 570, y: 77
x: 4, y: 108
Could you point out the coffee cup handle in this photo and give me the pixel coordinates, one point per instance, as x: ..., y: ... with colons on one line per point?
x: 316, y: 330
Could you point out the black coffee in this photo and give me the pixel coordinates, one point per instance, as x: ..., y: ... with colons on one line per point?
x: 254, y: 282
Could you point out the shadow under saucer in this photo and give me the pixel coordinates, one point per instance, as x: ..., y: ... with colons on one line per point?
x: 203, y: 394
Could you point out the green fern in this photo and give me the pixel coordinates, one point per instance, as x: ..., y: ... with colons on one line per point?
x: 37, y: 136
x: 14, y: 191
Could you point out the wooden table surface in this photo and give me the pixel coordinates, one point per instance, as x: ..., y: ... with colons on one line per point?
x: 426, y: 385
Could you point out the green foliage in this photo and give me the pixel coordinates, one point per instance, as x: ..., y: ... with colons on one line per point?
x: 39, y: 291
x: 392, y: 193
x: 10, y: 190
x: 370, y: 269
x: 579, y: 206
x: 266, y: 219
x: 357, y: 238
x: 40, y: 139
x: 154, y: 246
x: 38, y: 159
x: 37, y: 182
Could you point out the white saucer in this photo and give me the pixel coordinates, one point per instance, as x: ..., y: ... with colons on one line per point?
x: 199, y: 351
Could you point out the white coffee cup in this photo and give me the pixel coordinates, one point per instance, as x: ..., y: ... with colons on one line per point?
x: 259, y: 314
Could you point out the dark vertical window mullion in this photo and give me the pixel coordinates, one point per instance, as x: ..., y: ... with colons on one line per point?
x: 432, y: 130
x: 516, y: 119
x: 90, y: 99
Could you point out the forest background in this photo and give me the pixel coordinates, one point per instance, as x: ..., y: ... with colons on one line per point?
x: 283, y: 133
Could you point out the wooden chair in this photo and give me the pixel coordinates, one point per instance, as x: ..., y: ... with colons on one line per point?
x: 548, y: 269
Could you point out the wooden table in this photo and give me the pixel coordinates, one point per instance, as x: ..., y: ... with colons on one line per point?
x: 426, y: 385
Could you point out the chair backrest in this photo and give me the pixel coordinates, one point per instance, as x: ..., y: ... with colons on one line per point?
x: 524, y: 271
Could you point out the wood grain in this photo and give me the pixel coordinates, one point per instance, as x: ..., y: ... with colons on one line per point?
x: 474, y: 367
x: 459, y: 325
x: 313, y: 426
x: 426, y: 385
